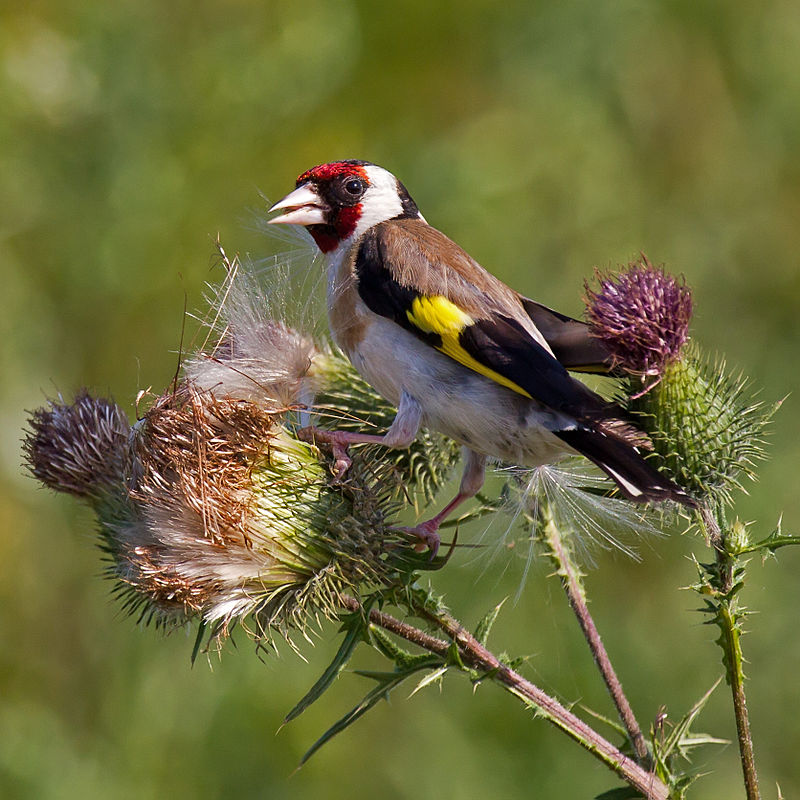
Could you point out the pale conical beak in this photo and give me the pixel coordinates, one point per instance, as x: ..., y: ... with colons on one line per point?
x: 303, y: 207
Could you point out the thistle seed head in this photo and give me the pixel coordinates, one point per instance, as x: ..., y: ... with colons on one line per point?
x: 210, y: 506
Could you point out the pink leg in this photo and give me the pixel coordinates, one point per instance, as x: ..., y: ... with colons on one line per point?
x: 471, y: 482
x: 339, y: 441
x: 401, y: 433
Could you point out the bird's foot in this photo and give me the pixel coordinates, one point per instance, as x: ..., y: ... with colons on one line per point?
x: 428, y: 535
x: 337, y: 441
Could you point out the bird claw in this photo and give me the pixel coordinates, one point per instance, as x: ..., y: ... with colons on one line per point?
x: 342, y: 461
x: 341, y: 458
x: 427, y: 533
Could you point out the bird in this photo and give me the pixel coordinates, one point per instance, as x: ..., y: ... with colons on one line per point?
x: 452, y: 347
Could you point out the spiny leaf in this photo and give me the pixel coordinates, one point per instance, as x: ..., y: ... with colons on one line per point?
x: 432, y: 677
x: 613, y: 724
x: 771, y: 543
x: 387, y: 681
x: 681, y: 738
x: 354, y: 635
x: 201, y: 631
x: 402, y: 658
x: 485, y: 625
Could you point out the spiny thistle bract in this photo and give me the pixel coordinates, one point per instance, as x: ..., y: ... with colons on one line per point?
x: 705, y: 429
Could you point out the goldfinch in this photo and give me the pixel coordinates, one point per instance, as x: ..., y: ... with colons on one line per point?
x: 451, y: 346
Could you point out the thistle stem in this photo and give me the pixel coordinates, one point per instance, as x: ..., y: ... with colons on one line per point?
x: 478, y: 657
x: 731, y: 644
x: 569, y: 576
x: 730, y: 641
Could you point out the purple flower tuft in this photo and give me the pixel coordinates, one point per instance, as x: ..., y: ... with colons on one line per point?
x: 79, y: 448
x: 641, y: 315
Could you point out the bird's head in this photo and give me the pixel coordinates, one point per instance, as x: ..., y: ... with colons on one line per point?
x: 339, y: 201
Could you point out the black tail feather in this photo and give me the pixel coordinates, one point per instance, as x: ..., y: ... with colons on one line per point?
x: 624, y: 464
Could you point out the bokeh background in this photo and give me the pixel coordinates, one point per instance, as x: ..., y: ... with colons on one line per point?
x: 546, y: 138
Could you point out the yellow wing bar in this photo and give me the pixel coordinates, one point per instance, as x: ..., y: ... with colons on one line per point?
x: 438, y: 315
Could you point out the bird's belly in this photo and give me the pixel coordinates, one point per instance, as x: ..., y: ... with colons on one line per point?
x: 455, y: 400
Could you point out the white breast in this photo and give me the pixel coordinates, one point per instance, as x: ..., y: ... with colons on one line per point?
x: 457, y: 401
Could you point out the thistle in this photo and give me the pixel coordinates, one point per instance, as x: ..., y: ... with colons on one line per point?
x: 642, y: 316
x: 211, y: 507
x: 705, y: 428
x: 215, y: 510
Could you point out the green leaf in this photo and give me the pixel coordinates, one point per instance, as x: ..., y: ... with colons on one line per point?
x: 430, y: 678
x: 201, y: 632
x: 402, y: 658
x: 613, y: 724
x: 771, y: 543
x: 354, y: 635
x: 485, y: 625
x: 681, y: 739
x: 386, y: 682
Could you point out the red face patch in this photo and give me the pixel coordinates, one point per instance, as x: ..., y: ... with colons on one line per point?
x: 342, y: 218
x: 325, y: 172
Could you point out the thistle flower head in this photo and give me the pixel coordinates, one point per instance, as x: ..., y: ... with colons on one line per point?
x: 706, y: 432
x: 250, y: 351
x: 210, y: 507
x: 237, y: 517
x: 641, y: 315
x: 79, y: 447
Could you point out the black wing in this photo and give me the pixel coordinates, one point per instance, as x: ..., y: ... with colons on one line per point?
x: 569, y: 339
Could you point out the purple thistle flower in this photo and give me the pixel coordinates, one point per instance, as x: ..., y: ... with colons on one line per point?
x: 80, y: 448
x: 642, y: 316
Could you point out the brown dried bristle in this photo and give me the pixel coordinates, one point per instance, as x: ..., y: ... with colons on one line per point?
x: 204, y: 448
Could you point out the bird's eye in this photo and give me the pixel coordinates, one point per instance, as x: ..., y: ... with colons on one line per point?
x: 354, y: 187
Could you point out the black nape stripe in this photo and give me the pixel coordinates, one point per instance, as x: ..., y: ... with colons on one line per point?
x: 409, y: 206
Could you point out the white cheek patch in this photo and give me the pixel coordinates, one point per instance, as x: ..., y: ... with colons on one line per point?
x: 381, y: 201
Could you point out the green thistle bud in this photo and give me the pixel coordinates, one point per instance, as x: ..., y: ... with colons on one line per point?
x: 737, y: 539
x: 706, y: 431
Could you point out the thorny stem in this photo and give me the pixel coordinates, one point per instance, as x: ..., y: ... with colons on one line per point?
x: 570, y: 581
x: 476, y: 656
x: 730, y: 642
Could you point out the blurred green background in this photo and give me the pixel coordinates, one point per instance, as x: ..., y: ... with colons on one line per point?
x: 544, y: 137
